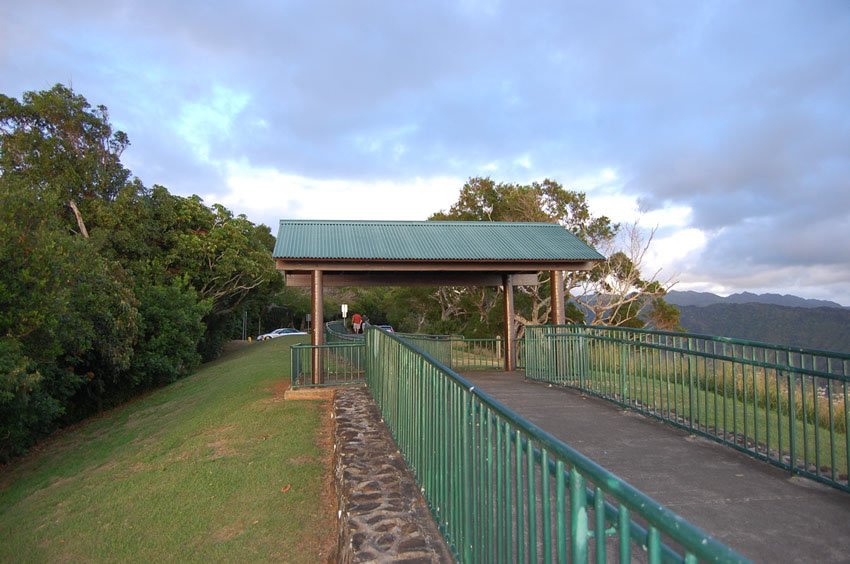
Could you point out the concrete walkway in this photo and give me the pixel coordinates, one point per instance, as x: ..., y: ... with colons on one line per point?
x: 759, y: 510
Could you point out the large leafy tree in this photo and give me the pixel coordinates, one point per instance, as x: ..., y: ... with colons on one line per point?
x: 613, y: 293
x: 106, y: 287
x: 482, y: 199
x: 66, y: 151
x: 69, y: 309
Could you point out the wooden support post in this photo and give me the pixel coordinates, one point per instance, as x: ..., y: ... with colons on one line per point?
x: 510, y: 356
x: 558, y: 314
x: 317, y: 302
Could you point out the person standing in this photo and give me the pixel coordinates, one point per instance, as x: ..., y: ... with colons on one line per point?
x: 357, y: 323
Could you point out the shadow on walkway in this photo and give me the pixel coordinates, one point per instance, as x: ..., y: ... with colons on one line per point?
x: 759, y: 510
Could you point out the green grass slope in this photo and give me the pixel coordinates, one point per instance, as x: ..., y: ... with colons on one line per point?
x: 215, y: 467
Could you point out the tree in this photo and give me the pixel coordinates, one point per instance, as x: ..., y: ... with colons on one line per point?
x: 26, y: 409
x: 170, y: 327
x: 170, y: 240
x: 66, y: 149
x: 664, y: 316
x: 227, y: 260
x: 106, y: 287
x: 614, y: 292
x: 481, y: 199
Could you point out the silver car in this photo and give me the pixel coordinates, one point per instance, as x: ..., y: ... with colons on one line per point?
x: 280, y: 333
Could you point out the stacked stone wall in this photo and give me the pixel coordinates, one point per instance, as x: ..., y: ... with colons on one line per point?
x: 382, y: 514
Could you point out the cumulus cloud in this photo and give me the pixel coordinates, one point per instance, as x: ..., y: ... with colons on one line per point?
x: 726, y: 126
x: 268, y: 195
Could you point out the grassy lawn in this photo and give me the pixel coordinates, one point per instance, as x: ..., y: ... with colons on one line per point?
x: 712, y: 410
x: 215, y: 467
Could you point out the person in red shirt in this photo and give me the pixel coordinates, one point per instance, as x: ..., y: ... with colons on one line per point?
x: 357, y: 323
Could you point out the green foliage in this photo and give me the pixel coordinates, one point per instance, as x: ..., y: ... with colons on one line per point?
x: 65, y: 149
x: 106, y: 287
x: 26, y: 411
x: 574, y: 315
x: 170, y: 327
x: 227, y: 260
x: 479, y: 312
x: 481, y: 199
x: 664, y: 316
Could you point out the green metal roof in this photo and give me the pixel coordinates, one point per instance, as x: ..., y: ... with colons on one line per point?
x: 429, y: 241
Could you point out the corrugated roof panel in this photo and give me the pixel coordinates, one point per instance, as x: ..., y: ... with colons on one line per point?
x: 428, y: 240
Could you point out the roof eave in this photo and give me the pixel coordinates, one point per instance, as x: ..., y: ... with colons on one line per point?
x: 360, y: 265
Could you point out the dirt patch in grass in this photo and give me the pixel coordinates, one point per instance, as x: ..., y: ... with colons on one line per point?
x: 220, y: 449
x: 276, y: 391
x: 227, y: 533
x: 221, y: 445
x: 302, y: 459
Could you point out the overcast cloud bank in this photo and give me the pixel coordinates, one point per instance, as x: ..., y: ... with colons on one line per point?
x: 724, y: 123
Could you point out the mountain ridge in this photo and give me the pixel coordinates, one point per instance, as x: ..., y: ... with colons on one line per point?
x: 702, y: 299
x: 820, y: 328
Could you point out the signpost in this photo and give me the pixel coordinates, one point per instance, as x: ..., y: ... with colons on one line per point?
x: 344, y: 309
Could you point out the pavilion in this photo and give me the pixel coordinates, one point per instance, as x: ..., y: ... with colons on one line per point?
x: 318, y: 254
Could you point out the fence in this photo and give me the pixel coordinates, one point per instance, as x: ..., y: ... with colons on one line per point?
x: 342, y: 363
x: 788, y: 406
x: 336, y: 332
x: 465, y: 354
x: 455, y: 351
x: 500, y: 488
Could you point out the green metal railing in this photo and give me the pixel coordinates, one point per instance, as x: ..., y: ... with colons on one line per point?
x: 336, y: 332
x: 342, y: 363
x: 464, y: 354
x: 788, y: 406
x: 503, y: 490
x: 455, y: 351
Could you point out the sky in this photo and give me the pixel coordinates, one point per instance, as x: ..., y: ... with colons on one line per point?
x: 722, y: 125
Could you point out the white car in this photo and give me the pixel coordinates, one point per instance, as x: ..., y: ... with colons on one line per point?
x: 280, y: 333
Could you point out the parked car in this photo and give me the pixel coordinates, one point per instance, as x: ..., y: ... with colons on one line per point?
x: 280, y: 333
x: 387, y: 328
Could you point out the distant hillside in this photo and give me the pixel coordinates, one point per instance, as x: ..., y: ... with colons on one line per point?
x: 705, y: 298
x: 824, y: 328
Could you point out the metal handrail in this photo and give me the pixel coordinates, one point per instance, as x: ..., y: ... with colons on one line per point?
x: 788, y: 406
x: 480, y: 467
x: 342, y: 364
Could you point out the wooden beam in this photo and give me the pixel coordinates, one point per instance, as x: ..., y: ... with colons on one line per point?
x: 373, y: 279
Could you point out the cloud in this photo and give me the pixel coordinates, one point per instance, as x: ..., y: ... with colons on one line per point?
x: 724, y: 125
x: 210, y: 120
x: 268, y: 195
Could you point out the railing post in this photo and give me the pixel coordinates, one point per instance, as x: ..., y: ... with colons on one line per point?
x: 294, y: 366
x: 624, y: 360
x: 318, y: 337
x: 691, y: 386
x: 578, y: 516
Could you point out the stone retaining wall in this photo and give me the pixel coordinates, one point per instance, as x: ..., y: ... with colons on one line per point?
x: 383, y: 517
